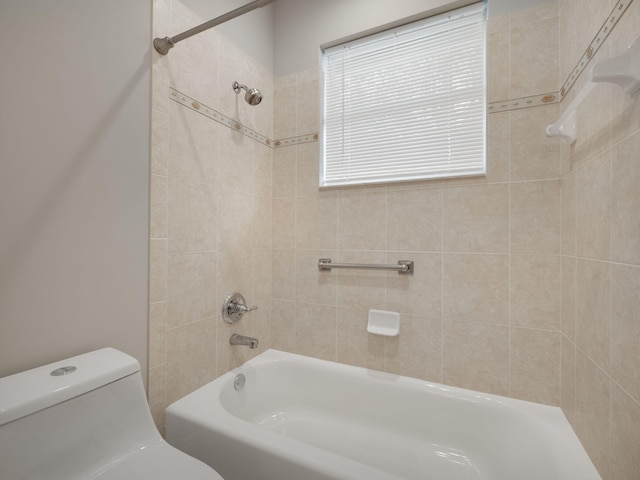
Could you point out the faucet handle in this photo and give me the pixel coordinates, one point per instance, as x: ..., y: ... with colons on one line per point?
x: 244, y: 308
x: 235, y: 307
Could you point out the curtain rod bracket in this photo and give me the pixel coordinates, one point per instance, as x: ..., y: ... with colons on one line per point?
x: 163, y: 45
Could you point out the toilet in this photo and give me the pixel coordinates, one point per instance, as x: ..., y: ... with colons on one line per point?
x: 86, y: 417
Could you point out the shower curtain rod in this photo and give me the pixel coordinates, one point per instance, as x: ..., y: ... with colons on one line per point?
x: 163, y: 45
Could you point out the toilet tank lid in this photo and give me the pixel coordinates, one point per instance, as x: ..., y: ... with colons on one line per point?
x: 33, y: 390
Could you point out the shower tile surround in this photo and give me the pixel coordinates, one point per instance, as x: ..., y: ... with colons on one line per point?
x: 600, y: 360
x: 525, y: 278
x: 211, y: 191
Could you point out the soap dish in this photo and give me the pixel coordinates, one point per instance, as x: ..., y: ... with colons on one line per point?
x: 384, y: 323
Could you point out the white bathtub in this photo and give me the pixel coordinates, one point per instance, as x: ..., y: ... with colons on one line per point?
x: 299, y: 418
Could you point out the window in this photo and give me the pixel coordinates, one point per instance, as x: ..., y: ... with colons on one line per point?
x: 407, y: 103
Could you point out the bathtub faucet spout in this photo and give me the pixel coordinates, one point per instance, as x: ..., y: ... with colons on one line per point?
x: 242, y: 340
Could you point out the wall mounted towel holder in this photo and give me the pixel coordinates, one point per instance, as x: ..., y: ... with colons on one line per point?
x: 622, y: 70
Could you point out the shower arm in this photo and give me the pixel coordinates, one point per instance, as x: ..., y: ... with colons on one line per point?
x: 163, y: 45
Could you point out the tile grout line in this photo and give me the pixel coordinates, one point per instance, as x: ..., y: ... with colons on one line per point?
x: 442, y: 350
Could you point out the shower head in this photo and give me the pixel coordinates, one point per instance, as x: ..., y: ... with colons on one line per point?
x: 253, y: 95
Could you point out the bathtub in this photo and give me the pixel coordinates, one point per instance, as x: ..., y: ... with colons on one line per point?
x: 299, y: 418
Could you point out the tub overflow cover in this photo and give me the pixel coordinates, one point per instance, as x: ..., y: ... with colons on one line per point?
x: 239, y: 382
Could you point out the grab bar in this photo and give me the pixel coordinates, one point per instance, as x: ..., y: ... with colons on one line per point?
x: 403, y: 266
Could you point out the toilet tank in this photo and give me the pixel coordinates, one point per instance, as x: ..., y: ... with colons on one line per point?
x: 74, y: 418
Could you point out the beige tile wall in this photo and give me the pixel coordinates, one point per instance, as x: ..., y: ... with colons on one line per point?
x: 532, y: 273
x: 483, y: 309
x: 210, y: 210
x: 526, y: 280
x: 601, y: 252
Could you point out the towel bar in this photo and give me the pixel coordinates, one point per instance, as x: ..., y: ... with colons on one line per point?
x: 403, y: 266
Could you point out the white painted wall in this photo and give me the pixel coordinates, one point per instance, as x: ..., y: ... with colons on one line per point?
x: 500, y: 7
x: 301, y: 26
x: 74, y: 176
x: 253, y: 31
x: 285, y: 36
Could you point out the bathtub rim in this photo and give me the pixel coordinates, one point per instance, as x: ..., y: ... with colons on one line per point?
x: 189, y: 408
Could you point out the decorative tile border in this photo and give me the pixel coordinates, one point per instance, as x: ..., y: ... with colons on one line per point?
x: 221, y: 118
x: 287, y: 142
x: 585, y: 59
x: 595, y: 44
x: 524, y: 102
x: 193, y: 104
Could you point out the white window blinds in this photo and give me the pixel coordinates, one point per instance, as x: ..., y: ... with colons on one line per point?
x: 407, y: 103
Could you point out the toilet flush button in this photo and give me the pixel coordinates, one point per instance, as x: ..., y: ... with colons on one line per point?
x: 58, y: 372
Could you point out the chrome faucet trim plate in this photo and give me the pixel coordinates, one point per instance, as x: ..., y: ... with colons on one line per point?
x: 235, y: 307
